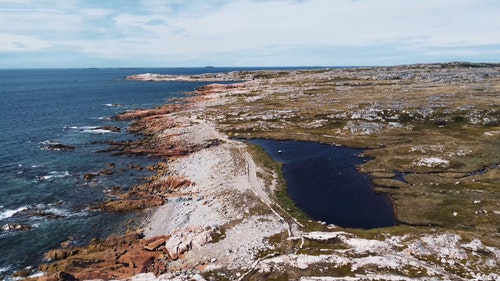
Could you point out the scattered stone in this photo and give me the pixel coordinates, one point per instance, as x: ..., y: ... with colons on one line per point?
x: 327, y: 236
x: 9, y: 227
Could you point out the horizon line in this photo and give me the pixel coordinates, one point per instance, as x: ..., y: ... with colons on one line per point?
x: 259, y: 66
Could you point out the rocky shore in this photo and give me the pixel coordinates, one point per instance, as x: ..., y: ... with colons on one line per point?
x: 216, y: 209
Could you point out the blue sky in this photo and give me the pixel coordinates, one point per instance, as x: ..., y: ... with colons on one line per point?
x: 169, y: 33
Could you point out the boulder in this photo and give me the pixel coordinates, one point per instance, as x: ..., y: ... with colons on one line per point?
x: 59, y: 146
x: 89, y: 176
x: 155, y: 244
x: 15, y: 227
x: 183, y: 240
x: 105, y: 172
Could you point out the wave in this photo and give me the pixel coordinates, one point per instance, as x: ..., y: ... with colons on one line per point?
x: 5, y: 270
x: 53, y: 175
x: 65, y: 212
x: 90, y: 129
x: 36, y: 275
x: 10, y: 212
x: 49, y: 211
x: 81, y: 128
x: 97, y: 131
x: 49, y: 142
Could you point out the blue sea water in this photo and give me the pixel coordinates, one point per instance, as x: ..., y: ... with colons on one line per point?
x: 45, y: 189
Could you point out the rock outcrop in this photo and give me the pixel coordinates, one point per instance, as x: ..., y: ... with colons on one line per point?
x: 119, y: 257
x: 58, y: 146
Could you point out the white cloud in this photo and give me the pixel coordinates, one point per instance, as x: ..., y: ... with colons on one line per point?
x: 95, y: 13
x: 21, y: 43
x: 31, y: 21
x: 346, y: 23
x: 273, y: 31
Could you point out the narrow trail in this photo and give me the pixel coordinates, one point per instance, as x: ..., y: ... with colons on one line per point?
x: 259, y: 191
x: 264, y: 197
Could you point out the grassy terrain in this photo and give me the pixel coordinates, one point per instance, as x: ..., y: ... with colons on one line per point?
x: 436, y: 124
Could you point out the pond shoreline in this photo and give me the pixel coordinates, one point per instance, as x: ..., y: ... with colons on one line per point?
x: 322, y: 181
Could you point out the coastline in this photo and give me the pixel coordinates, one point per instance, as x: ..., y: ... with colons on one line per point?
x: 213, y: 172
x: 224, y: 222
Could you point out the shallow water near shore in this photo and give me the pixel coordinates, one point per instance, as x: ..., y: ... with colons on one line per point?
x: 45, y: 189
x: 325, y: 183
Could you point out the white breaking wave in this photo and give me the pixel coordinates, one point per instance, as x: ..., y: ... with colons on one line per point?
x: 4, y: 269
x: 82, y: 128
x: 42, y: 210
x: 54, y: 174
x: 10, y: 212
x: 65, y: 213
x: 89, y: 129
x: 49, y: 142
x: 97, y: 131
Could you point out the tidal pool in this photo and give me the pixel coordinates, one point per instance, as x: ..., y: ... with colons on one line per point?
x: 325, y: 183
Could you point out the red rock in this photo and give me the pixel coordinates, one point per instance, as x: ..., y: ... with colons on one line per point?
x: 66, y: 244
x: 143, y: 261
x: 141, y: 113
x: 155, y: 245
x: 127, y: 205
x: 59, y: 254
x: 123, y: 240
x: 93, y: 275
x: 60, y: 276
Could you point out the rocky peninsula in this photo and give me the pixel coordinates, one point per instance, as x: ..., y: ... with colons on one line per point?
x: 219, y: 209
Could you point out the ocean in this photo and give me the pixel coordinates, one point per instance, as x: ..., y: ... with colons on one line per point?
x: 45, y: 189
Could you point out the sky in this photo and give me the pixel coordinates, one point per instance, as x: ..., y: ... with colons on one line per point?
x: 196, y: 33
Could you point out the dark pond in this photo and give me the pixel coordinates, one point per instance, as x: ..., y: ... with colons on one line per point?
x: 324, y: 183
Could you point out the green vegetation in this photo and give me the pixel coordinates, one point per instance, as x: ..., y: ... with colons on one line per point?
x: 438, y: 124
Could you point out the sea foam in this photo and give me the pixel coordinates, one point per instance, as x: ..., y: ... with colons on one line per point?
x: 54, y: 174
x: 10, y: 212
